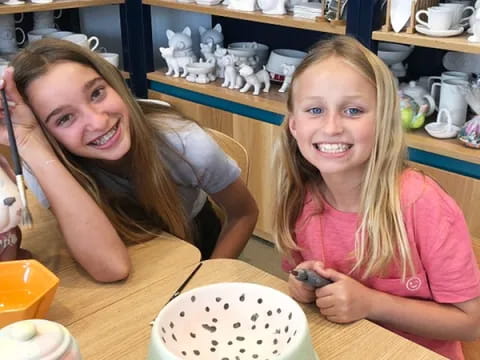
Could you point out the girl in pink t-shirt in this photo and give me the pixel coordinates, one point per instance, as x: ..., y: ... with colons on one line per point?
x: 395, y: 245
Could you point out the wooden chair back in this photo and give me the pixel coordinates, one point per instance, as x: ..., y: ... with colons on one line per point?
x: 234, y: 149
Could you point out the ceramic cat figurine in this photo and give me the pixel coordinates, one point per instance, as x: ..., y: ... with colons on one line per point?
x: 211, y: 36
x: 287, y: 70
x: 10, y: 216
x: 255, y: 79
x: 219, y: 53
x: 233, y: 80
x: 207, y: 52
x: 181, y: 43
x: 173, y: 68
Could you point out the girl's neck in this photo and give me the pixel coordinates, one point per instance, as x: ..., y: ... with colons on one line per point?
x: 342, y: 192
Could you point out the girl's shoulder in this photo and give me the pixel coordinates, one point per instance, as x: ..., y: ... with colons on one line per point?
x: 421, y: 191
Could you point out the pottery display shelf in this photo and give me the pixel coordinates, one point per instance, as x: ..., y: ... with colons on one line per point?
x: 454, y: 43
x: 55, y: 5
x: 273, y: 101
x: 256, y: 16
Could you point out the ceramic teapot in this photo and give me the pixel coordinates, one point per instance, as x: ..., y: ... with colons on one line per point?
x: 37, y: 339
x: 420, y: 95
x: 412, y: 113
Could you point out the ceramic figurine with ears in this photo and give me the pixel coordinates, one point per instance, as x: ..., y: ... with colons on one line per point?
x: 173, y: 68
x: 219, y: 53
x: 287, y: 70
x: 233, y: 80
x: 181, y: 43
x: 254, y: 79
x: 10, y: 216
x: 207, y: 53
x: 212, y: 36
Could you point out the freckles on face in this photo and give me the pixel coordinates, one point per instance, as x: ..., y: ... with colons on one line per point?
x: 333, y: 115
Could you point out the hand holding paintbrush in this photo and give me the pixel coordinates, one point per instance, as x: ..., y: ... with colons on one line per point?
x: 26, y: 218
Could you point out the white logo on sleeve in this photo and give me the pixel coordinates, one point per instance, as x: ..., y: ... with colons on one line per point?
x: 414, y: 283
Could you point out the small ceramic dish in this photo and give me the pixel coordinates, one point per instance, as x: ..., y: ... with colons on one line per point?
x: 236, y: 321
x: 27, y: 289
x: 440, y: 129
x: 261, y: 50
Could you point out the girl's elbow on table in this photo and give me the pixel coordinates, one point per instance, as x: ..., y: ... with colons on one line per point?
x: 118, y: 271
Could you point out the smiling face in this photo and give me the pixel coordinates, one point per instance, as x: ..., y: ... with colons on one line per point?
x: 81, y: 110
x: 333, y: 117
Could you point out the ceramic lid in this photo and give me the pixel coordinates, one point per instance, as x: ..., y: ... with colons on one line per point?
x: 35, y: 340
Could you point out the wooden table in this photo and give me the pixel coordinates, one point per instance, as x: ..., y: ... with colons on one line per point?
x: 111, y: 321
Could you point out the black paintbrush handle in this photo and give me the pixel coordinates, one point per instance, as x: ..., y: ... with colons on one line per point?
x: 11, y: 135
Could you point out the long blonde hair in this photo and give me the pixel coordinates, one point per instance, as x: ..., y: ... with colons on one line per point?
x: 381, y: 236
x: 156, y: 204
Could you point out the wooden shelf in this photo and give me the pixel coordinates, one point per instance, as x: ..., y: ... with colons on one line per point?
x: 257, y: 16
x: 272, y: 101
x: 453, y: 148
x: 55, y: 5
x: 454, y: 43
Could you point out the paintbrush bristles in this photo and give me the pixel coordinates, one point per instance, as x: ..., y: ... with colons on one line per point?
x: 26, y: 217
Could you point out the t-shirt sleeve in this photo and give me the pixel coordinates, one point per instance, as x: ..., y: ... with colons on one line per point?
x: 446, y: 247
x: 212, y: 169
x: 34, y: 187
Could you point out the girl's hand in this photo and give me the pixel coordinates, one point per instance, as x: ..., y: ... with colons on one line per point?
x: 25, y: 124
x: 344, y: 301
x: 300, y: 291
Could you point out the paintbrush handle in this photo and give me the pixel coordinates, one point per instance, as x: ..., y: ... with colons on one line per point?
x: 11, y: 135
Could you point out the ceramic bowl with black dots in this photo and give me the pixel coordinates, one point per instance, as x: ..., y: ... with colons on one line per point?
x: 231, y: 321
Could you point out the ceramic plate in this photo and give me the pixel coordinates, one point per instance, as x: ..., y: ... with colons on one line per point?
x: 438, y: 33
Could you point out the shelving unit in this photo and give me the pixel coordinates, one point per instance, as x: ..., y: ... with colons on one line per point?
x: 55, y: 5
x: 454, y: 43
x: 256, y: 16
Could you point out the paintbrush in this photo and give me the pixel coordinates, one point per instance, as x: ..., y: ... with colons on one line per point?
x: 26, y: 217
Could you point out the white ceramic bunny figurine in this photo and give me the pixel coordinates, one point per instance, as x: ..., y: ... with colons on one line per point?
x: 10, y: 216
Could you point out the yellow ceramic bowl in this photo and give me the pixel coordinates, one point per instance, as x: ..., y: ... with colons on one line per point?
x: 27, y: 289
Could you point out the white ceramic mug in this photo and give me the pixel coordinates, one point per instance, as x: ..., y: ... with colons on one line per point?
x: 91, y: 42
x: 453, y: 99
x: 438, y: 18
x: 8, y: 40
x: 445, y: 76
x: 460, y: 18
x: 112, y: 58
x: 45, y: 19
x: 39, y: 34
x: 8, y: 20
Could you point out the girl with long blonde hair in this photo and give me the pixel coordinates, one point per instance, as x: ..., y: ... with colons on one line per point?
x: 395, y: 246
x: 115, y: 169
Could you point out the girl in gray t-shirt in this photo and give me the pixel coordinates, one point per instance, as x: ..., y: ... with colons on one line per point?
x: 113, y: 169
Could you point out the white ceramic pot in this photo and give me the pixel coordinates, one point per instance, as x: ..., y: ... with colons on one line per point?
x: 37, y: 339
x: 231, y: 320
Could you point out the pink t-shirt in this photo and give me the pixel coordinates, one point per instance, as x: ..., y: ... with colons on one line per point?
x: 447, y: 271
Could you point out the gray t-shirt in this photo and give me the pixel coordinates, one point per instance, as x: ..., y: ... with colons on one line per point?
x: 206, y: 169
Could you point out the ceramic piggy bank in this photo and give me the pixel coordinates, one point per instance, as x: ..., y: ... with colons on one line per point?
x: 37, y: 339
x: 10, y: 216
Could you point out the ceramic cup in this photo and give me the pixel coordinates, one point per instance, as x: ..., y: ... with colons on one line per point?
x: 112, y: 58
x: 462, y: 13
x: 445, y: 76
x: 438, y: 18
x: 8, y: 20
x: 45, y: 19
x: 91, y: 42
x: 8, y: 40
x: 452, y: 98
x: 39, y: 34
